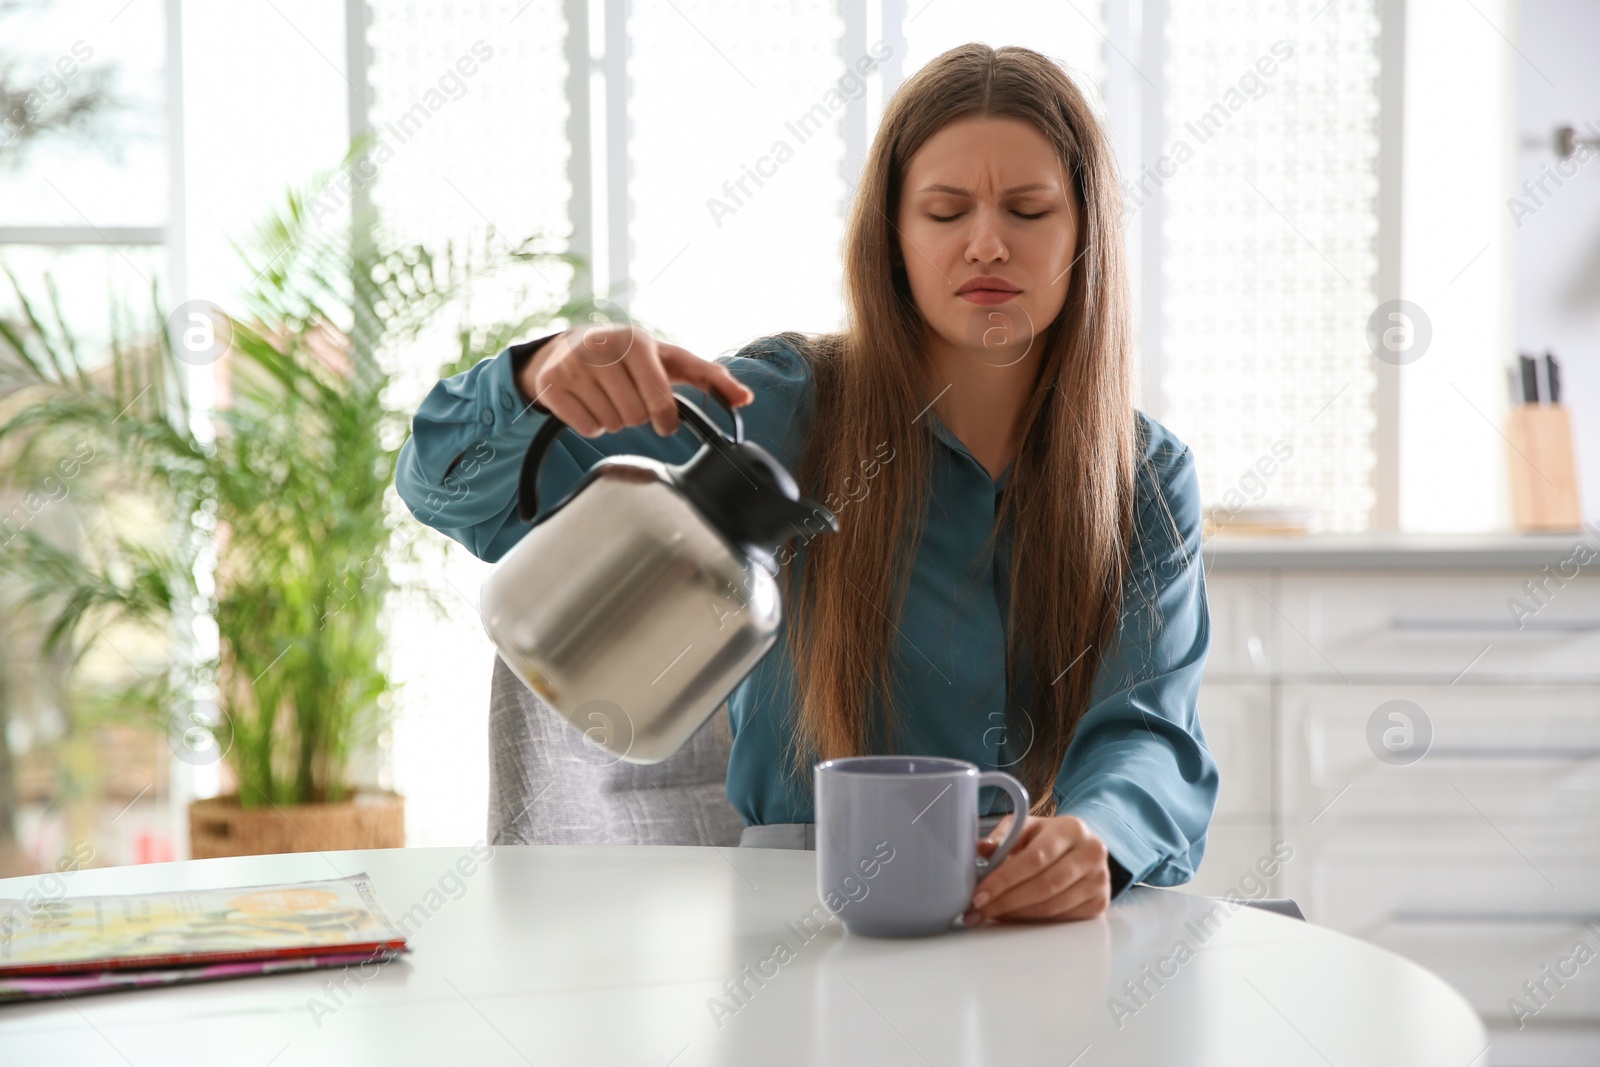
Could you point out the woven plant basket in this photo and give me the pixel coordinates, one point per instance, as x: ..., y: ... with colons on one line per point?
x: 220, y: 827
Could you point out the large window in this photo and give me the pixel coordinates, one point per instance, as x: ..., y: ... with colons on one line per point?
x: 1267, y: 187
x: 87, y: 199
x: 86, y: 196
x: 700, y: 157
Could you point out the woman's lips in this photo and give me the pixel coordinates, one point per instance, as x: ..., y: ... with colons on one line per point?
x: 987, y: 296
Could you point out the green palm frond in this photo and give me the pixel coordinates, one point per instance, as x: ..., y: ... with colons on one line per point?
x: 291, y: 487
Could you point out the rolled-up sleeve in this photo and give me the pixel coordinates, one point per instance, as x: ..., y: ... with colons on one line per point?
x: 1138, y: 770
x: 458, y: 470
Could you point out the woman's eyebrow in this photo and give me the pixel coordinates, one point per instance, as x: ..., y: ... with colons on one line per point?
x: 957, y: 191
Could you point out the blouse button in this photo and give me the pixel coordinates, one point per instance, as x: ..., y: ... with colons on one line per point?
x: 488, y: 418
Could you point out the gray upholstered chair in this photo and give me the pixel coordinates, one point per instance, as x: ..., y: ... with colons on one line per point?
x: 548, y: 787
x: 1278, y: 905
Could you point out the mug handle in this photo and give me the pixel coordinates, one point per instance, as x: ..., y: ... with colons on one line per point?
x: 1019, y: 817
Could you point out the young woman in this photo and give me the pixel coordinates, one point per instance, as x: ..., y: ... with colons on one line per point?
x: 1016, y: 581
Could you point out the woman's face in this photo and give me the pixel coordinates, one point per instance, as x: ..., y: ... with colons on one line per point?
x: 988, y: 227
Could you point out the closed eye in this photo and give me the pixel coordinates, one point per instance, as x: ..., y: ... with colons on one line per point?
x: 1019, y: 214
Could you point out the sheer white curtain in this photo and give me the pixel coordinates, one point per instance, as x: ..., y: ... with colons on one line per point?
x: 487, y: 149
x: 734, y: 152
x: 1270, y: 267
x: 1071, y: 33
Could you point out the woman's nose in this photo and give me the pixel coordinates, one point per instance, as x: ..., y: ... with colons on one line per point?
x: 984, y: 244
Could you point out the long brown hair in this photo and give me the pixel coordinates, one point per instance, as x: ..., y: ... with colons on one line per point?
x: 1070, y: 494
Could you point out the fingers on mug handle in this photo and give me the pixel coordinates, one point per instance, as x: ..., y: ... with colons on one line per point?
x: 1019, y: 810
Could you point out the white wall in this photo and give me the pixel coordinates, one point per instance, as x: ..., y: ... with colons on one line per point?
x: 1557, y: 286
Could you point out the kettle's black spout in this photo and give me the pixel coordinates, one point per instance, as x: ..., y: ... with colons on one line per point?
x: 808, y: 519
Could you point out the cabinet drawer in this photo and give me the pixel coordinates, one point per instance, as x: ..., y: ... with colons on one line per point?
x: 1243, y: 625
x: 1466, y: 905
x: 1488, y: 752
x: 1237, y: 723
x: 1438, y: 626
x: 1233, y: 852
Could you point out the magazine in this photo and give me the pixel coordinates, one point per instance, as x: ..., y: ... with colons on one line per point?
x: 46, y: 986
x: 195, y: 928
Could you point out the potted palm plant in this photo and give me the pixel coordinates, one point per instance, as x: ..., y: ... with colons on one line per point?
x: 268, y: 526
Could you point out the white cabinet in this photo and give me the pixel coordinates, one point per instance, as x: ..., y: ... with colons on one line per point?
x: 1237, y: 723
x: 1449, y: 626
x: 1487, y: 908
x: 1429, y: 751
x: 1243, y: 626
x: 1234, y: 854
x: 1478, y: 752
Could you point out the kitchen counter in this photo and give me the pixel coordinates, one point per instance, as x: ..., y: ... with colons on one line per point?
x: 1418, y: 715
x: 1406, y: 551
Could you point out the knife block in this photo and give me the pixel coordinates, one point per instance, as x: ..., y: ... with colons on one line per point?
x: 1544, y: 475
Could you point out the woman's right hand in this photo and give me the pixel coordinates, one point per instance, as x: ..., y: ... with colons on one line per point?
x: 600, y: 379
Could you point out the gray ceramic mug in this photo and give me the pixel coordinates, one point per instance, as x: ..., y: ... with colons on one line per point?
x: 897, y: 840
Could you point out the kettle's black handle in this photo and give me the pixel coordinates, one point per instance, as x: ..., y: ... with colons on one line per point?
x: 693, y: 417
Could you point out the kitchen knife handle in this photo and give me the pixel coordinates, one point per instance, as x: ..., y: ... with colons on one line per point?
x: 1530, y: 380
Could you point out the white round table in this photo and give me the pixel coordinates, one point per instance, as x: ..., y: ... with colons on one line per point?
x: 628, y: 955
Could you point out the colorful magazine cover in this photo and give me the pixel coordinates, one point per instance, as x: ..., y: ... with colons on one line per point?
x: 188, y: 928
x: 45, y: 987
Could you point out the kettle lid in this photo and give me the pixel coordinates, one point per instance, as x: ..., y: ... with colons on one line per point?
x: 744, y: 491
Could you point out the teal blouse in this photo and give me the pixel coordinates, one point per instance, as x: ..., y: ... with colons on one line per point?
x: 1138, y: 770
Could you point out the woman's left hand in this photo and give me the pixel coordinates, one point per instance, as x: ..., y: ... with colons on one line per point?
x: 1056, y: 872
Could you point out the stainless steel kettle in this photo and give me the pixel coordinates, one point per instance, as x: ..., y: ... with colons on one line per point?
x: 638, y: 602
